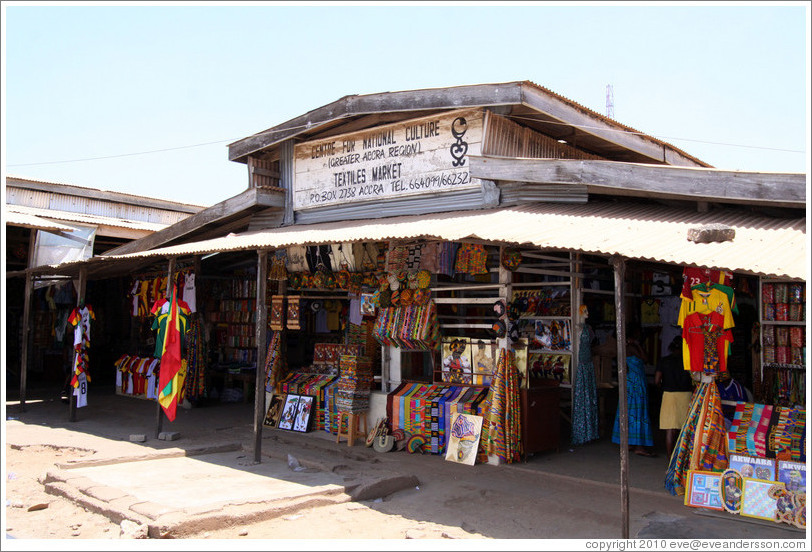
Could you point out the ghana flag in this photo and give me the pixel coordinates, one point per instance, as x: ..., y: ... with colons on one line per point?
x: 172, y: 372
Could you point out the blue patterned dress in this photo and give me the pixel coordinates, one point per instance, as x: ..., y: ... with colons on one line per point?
x: 640, y: 433
x: 585, y: 392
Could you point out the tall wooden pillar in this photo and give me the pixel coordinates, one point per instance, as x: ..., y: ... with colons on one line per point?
x: 262, y: 347
x: 26, y: 334
x: 620, y: 325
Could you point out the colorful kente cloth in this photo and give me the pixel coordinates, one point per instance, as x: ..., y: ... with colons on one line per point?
x: 640, y: 433
x: 701, y: 442
x: 585, y: 393
x: 501, y: 429
x: 195, y: 385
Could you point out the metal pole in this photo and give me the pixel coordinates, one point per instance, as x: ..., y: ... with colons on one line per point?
x: 623, y: 407
x: 159, y: 412
x: 261, y: 333
x: 29, y: 289
x: 80, y: 302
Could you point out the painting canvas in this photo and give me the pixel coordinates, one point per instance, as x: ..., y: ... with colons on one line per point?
x: 753, y: 467
x: 756, y: 499
x: 484, y: 361
x: 549, y: 366
x: 289, y: 412
x: 463, y: 442
x: 792, y: 475
x: 302, y: 420
x: 553, y: 335
x: 274, y: 413
x: 702, y: 490
x: 456, y: 361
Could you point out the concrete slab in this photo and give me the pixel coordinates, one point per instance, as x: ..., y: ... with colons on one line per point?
x: 194, y: 482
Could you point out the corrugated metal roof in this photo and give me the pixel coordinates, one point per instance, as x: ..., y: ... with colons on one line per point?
x: 82, y: 218
x: 763, y: 245
x: 32, y: 221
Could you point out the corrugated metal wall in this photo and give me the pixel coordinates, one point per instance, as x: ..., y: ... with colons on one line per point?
x: 89, y: 206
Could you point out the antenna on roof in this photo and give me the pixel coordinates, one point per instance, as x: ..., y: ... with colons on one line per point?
x: 610, y: 101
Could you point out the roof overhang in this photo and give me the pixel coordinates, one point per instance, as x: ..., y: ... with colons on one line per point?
x: 27, y: 220
x: 650, y: 181
x: 218, y: 219
x: 530, y: 104
x: 762, y: 245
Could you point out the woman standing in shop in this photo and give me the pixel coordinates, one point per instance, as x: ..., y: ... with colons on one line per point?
x: 677, y: 389
x: 641, y: 437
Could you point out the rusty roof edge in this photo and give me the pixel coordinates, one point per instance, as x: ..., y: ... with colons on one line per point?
x: 347, y: 106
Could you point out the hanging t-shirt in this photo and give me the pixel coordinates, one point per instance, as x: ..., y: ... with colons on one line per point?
x: 80, y: 391
x: 354, y: 315
x: 692, y: 276
x: 650, y: 312
x: 161, y: 311
x: 296, y: 261
x: 152, y: 379
x: 189, y: 295
x: 669, y: 314
x: 80, y: 319
x: 707, y: 342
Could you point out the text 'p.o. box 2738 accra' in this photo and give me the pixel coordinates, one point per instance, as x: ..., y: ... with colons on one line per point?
x: 419, y: 156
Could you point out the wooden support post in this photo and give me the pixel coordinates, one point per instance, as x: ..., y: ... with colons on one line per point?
x: 159, y: 411
x: 26, y: 326
x: 261, y: 333
x: 623, y: 406
x: 80, y: 302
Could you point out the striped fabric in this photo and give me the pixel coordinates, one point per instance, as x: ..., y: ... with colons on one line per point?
x: 701, y: 444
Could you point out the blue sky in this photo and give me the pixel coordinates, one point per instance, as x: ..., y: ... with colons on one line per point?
x: 728, y: 83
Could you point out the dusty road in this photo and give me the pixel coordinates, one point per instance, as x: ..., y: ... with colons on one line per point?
x: 572, y: 494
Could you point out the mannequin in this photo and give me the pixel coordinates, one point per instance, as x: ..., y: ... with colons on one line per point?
x: 585, y: 391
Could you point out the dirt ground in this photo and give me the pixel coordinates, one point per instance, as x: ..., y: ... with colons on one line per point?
x: 31, y: 513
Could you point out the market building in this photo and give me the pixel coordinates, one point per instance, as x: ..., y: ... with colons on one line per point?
x: 445, y: 258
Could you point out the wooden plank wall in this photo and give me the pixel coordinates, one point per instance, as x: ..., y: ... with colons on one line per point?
x: 505, y: 138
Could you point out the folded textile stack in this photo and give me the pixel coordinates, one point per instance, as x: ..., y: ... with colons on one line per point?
x: 354, y: 384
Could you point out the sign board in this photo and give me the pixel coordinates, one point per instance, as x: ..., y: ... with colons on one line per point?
x: 420, y: 156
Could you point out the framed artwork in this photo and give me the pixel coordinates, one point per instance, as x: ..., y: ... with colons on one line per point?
x: 289, y: 412
x: 553, y: 335
x: 463, y: 442
x: 484, y: 361
x: 730, y: 491
x: 549, y: 366
x: 753, y: 467
x: 274, y: 413
x: 702, y: 490
x: 367, y: 304
x: 757, y: 500
x: 302, y: 420
x: 456, y: 360
x: 792, y: 475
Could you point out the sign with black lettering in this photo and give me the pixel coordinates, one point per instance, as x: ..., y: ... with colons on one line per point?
x: 419, y: 156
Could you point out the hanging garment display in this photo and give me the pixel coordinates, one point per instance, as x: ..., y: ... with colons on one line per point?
x: 80, y: 318
x: 701, y: 443
x: 501, y: 431
x: 173, y: 365
x: 585, y: 392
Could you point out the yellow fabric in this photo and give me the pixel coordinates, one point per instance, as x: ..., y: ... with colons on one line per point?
x: 674, y: 409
